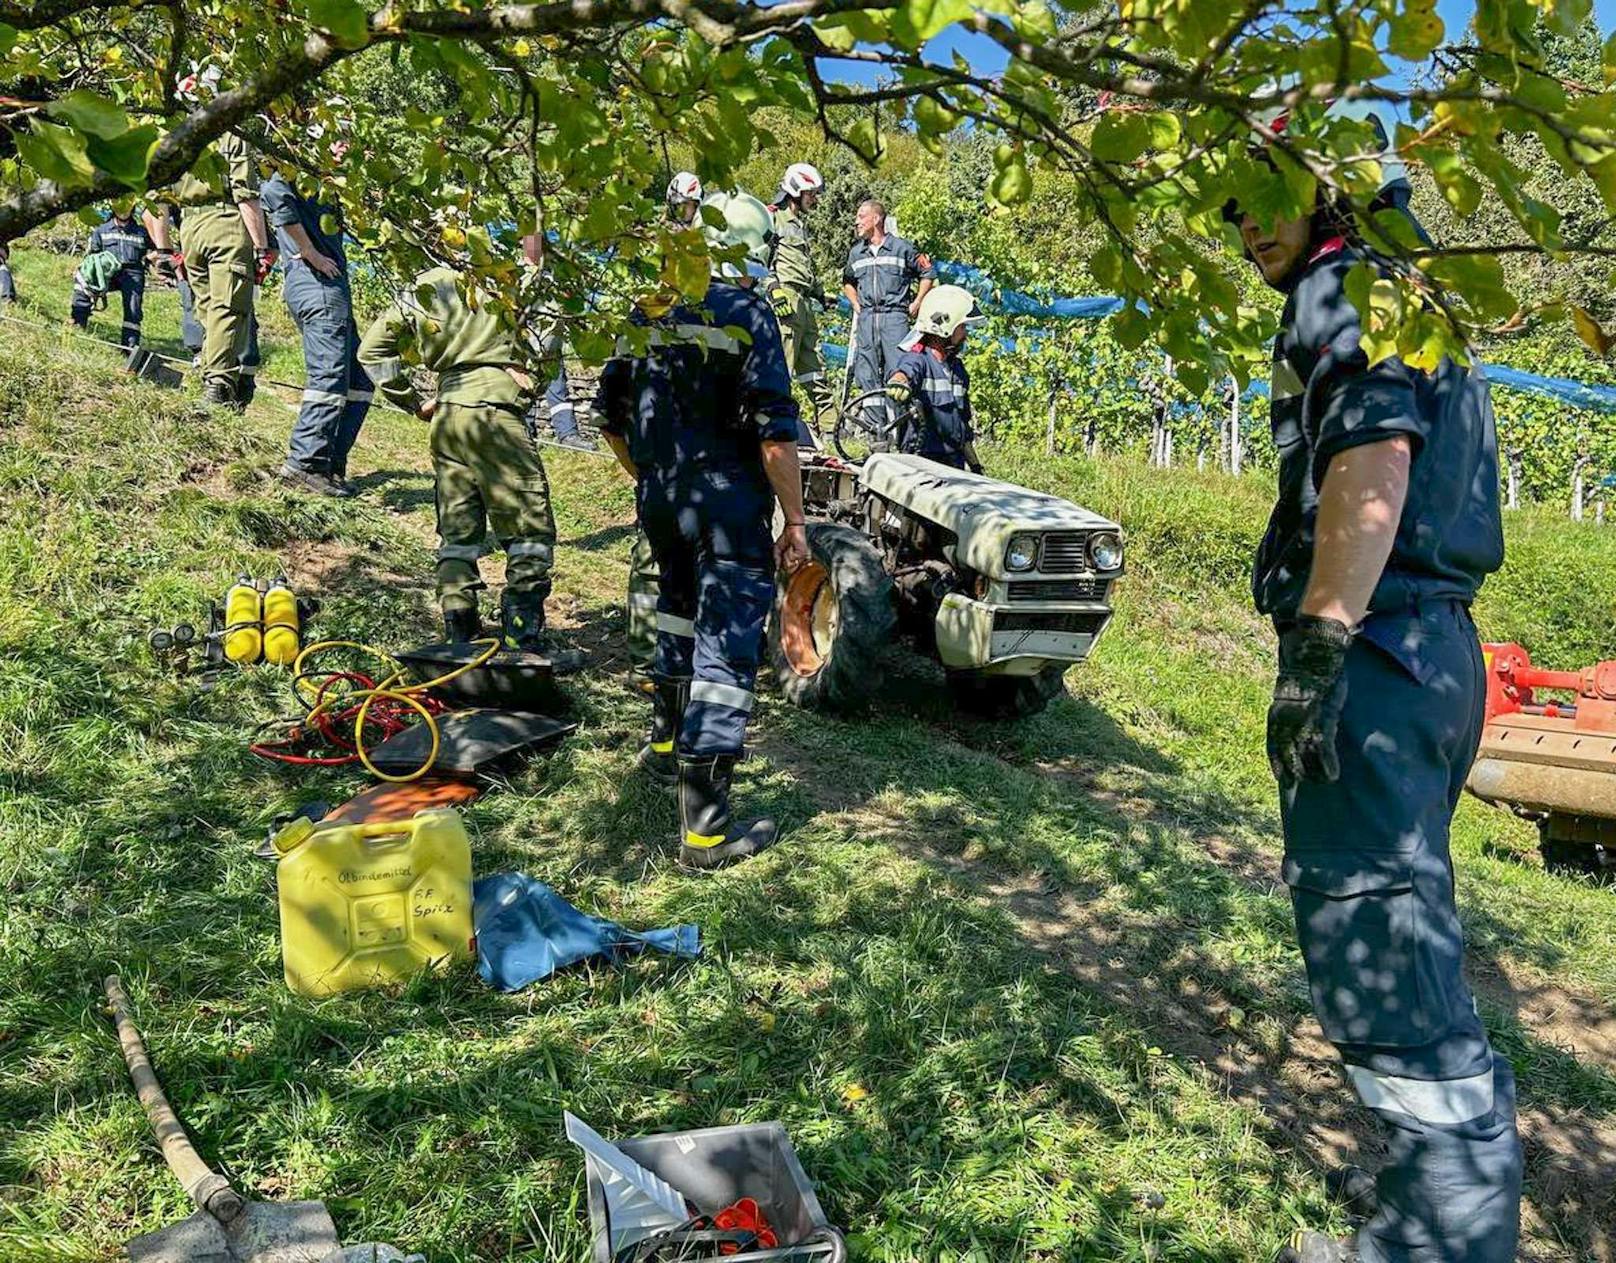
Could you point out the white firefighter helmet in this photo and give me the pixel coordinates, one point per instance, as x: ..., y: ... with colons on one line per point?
x: 800, y: 178
x: 743, y: 221
x: 943, y: 310
x: 684, y: 187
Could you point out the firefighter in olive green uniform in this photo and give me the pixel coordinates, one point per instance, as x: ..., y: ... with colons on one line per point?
x: 486, y: 463
x: 226, y: 249
x: 794, y: 287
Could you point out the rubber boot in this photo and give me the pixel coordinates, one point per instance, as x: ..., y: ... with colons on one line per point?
x: 1314, y: 1247
x: 521, y: 616
x: 708, y: 837
x: 462, y: 626
x: 522, y: 630
x: 657, y: 758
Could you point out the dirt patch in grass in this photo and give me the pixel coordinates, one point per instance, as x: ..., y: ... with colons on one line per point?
x: 331, y: 566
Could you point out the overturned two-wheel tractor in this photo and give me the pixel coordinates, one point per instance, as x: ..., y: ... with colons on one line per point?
x: 1005, y: 587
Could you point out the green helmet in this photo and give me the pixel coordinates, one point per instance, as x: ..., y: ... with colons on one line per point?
x: 744, y: 221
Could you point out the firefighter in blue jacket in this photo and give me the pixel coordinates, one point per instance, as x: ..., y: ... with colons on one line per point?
x: 337, y: 391
x: 930, y: 387
x: 705, y: 423
x: 125, y: 237
x: 1386, y: 523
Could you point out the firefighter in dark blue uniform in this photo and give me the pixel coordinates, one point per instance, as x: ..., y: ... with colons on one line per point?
x: 881, y: 268
x: 124, y: 236
x: 706, y: 423
x: 337, y: 391
x: 1386, y: 523
x: 930, y: 387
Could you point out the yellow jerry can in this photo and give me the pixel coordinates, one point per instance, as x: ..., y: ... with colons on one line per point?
x: 365, y: 905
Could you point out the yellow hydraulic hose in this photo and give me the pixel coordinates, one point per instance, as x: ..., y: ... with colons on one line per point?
x: 392, y: 689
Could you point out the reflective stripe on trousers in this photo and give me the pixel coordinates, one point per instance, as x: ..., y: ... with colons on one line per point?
x: 488, y: 475
x: 710, y: 534
x: 337, y: 396
x: 1366, y: 858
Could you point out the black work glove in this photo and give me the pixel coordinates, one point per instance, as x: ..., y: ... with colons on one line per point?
x: 1308, y: 696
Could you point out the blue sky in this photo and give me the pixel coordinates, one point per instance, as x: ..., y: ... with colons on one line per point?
x: 988, y: 58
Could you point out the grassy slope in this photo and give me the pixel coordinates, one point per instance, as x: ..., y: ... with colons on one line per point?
x: 952, y: 1087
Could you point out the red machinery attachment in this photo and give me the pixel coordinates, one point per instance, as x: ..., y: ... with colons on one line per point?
x: 1552, y: 758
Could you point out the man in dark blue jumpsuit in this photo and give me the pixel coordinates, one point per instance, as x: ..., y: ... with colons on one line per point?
x: 125, y: 237
x: 881, y: 267
x: 706, y: 424
x: 1386, y: 523
x: 337, y: 391
x: 930, y: 387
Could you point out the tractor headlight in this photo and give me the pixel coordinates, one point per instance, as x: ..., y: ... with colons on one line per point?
x: 1022, y: 553
x: 1105, y: 551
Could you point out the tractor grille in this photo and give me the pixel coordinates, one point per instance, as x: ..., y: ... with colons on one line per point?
x: 1081, y: 623
x: 1065, y: 552
x: 1060, y: 590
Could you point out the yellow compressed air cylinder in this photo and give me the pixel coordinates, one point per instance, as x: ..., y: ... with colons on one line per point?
x: 243, y: 623
x: 280, y: 624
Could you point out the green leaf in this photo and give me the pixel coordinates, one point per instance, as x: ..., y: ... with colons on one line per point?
x: 1459, y: 188
x: 1588, y: 329
x: 1607, y: 59
x: 1603, y: 174
x: 126, y: 157
x: 1034, y: 19
x: 1119, y: 137
x: 1479, y: 280
x: 917, y: 21
x: 1011, y: 184
x: 866, y: 141
x: 867, y: 26
x: 1131, y: 327
x: 94, y: 115
x: 345, y: 20
x: 1123, y: 135
x: 55, y: 153
x: 1105, y: 266
x: 1415, y: 34
x: 8, y: 39
x: 1565, y: 16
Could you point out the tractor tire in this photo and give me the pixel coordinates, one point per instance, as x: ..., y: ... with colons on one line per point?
x: 832, y: 620
x: 1007, y: 696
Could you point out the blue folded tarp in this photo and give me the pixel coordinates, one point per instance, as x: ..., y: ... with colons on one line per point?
x: 525, y: 932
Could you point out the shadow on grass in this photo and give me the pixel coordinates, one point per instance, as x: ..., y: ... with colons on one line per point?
x: 1128, y: 917
x: 402, y: 490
